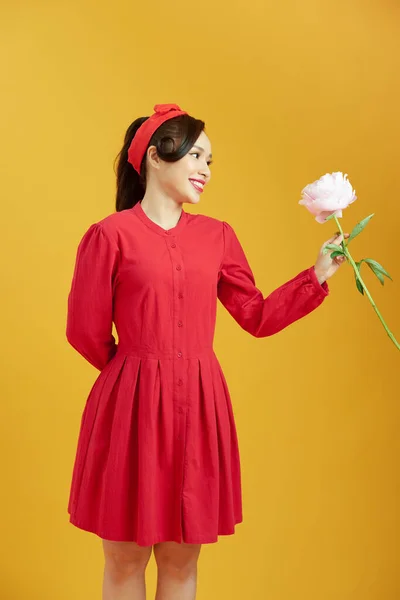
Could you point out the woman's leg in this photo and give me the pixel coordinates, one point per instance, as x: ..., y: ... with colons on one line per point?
x: 124, y: 570
x: 177, y: 570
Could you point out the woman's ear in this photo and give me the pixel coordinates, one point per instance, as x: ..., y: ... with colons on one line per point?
x: 153, y: 158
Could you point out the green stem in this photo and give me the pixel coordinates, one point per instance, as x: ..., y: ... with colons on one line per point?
x: 357, y: 273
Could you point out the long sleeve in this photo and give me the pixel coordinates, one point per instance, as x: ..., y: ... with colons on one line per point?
x: 257, y: 315
x: 90, y: 301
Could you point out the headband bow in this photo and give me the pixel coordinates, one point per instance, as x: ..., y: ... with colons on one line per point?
x: 163, y: 109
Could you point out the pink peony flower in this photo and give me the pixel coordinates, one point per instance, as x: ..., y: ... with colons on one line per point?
x: 327, y: 196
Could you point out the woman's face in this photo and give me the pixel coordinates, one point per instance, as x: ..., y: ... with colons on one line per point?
x: 184, y: 180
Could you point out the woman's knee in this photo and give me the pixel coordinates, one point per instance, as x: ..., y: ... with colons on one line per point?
x: 177, y: 560
x: 125, y: 559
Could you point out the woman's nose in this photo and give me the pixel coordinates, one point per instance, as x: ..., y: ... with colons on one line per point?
x: 205, y: 171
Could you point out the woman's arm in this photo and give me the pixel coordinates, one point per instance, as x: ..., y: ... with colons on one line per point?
x: 90, y: 301
x: 261, y: 316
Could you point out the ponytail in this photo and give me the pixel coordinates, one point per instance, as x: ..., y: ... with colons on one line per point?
x: 130, y: 185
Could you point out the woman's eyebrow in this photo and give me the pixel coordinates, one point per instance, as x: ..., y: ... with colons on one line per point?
x: 202, y: 149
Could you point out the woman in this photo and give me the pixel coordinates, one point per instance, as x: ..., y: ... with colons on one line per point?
x: 157, y: 464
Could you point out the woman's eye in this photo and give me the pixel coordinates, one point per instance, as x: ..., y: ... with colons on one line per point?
x: 195, y: 154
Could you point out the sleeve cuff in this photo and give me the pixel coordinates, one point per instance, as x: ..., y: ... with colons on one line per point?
x: 321, y: 288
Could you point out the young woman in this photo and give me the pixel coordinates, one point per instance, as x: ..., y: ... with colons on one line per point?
x: 157, y: 464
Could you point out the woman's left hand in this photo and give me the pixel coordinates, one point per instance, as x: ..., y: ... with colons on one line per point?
x: 325, y: 266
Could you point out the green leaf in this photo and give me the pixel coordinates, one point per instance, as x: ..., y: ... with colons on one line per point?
x: 378, y: 274
x: 359, y: 227
x: 336, y: 253
x: 358, y: 284
x: 376, y: 268
x: 359, y: 287
x: 332, y: 247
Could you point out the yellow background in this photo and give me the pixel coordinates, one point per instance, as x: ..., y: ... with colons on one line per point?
x: 289, y: 91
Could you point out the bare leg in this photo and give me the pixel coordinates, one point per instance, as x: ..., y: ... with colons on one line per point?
x: 177, y: 570
x: 124, y: 570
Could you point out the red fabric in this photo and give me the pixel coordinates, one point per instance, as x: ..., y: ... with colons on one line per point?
x: 157, y: 457
x: 139, y: 144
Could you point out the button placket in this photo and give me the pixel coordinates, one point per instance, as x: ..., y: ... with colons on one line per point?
x: 179, y: 343
x: 179, y: 366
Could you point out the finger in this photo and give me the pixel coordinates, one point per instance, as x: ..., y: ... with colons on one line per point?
x: 336, y: 239
x: 339, y: 260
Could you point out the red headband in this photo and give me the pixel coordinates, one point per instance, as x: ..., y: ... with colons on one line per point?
x: 138, y: 147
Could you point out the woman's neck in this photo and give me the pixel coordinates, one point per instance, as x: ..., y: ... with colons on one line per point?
x: 164, y: 211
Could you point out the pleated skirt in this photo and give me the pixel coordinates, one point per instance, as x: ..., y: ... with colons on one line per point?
x: 152, y: 469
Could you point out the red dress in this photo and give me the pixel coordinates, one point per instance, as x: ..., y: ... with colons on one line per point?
x: 157, y: 457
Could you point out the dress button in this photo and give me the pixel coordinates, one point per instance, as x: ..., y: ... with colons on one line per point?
x: 180, y: 295
x: 180, y: 323
x: 178, y: 268
x: 167, y: 233
x: 173, y: 245
x: 180, y: 410
x: 179, y: 354
x: 180, y: 382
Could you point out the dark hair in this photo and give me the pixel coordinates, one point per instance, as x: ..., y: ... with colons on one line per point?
x: 173, y: 140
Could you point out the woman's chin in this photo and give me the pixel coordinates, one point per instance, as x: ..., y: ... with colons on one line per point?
x: 193, y: 199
